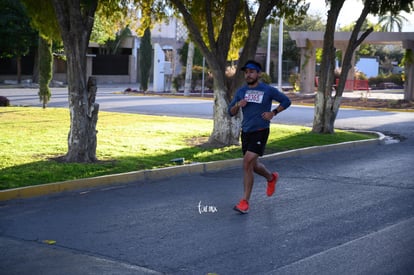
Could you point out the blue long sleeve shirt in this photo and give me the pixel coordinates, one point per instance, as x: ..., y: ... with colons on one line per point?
x: 259, y: 100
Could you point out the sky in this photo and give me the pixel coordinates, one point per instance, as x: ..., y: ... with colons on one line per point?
x: 351, y: 11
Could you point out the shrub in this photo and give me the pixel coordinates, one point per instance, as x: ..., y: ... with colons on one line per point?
x: 266, y: 78
x: 145, y: 58
x: 197, y: 75
x: 4, y: 101
x: 196, y: 79
x: 294, y: 81
x: 178, y: 82
x: 209, y: 81
x: 394, y: 78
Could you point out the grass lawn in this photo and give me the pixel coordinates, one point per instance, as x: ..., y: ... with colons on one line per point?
x: 32, y: 138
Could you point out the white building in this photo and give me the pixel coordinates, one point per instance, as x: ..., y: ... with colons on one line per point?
x: 368, y: 65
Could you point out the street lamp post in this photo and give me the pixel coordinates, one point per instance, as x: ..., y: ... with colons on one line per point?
x: 269, y: 38
x: 279, y: 71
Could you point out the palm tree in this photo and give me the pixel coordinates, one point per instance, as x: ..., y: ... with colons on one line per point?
x: 388, y: 21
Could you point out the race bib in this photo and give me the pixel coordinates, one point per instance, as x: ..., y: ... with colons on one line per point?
x: 254, y: 96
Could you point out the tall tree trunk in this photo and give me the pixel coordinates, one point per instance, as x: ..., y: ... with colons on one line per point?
x: 326, y: 101
x: 75, y: 22
x: 226, y: 129
x: 409, y: 83
x: 409, y: 73
x: 19, y: 69
x: 83, y: 111
x: 189, y: 69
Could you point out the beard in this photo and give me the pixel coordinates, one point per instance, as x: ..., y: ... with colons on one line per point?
x: 251, y: 81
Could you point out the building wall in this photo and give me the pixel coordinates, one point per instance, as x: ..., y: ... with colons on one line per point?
x: 369, y: 66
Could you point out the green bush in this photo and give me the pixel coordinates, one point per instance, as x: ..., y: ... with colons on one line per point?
x: 294, y: 81
x: 178, y: 82
x: 145, y: 59
x: 196, y: 78
x: 394, y: 78
x: 265, y: 78
x: 209, y: 81
x: 4, y: 101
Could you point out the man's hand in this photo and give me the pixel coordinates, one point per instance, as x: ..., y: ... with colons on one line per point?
x: 242, y: 103
x: 268, y: 115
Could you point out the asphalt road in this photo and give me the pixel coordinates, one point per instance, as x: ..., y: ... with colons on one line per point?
x: 111, y: 98
x: 347, y: 211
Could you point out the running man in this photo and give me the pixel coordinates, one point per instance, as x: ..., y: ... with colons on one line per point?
x: 255, y: 100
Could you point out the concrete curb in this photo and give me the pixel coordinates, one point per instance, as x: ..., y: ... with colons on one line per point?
x: 156, y: 174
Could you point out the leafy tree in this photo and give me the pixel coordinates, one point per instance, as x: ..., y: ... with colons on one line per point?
x: 145, y: 54
x: 121, y: 36
x: 386, y: 53
x: 310, y: 23
x: 112, y: 45
x: 213, y: 25
x: 220, y: 29
x: 16, y: 34
x: 363, y: 49
x: 74, y: 20
x: 105, y: 27
x: 327, y: 102
x: 389, y: 20
x: 198, y: 56
x: 38, y: 11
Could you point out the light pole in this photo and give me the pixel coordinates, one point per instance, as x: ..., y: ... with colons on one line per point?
x: 269, y: 38
x: 202, y: 78
x: 279, y: 71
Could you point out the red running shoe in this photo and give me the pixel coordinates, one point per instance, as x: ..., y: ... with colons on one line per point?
x: 242, y: 206
x: 271, y: 185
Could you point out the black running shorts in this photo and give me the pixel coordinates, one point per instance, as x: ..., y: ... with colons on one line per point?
x: 254, y: 141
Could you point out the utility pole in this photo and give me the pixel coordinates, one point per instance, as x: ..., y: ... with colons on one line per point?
x: 280, y: 57
x: 269, y: 39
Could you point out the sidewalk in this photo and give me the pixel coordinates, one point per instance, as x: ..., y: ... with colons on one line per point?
x: 380, y: 94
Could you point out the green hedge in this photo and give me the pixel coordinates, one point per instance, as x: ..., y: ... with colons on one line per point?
x: 395, y: 78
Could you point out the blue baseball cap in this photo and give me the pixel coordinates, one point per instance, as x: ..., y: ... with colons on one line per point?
x: 251, y: 64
